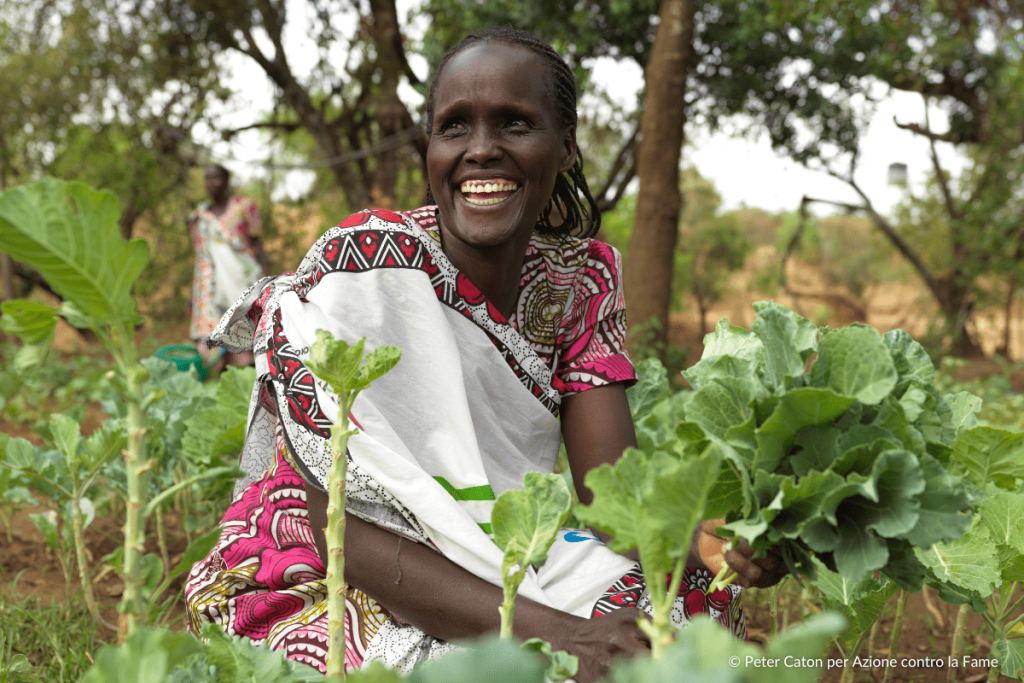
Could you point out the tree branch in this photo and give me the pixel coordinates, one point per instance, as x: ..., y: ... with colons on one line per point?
x: 287, y: 126
x: 949, y: 86
x: 605, y: 204
x: 628, y: 151
x: 939, y: 173
x: 918, y: 129
x: 901, y: 244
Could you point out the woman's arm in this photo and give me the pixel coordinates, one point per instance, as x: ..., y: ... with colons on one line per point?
x: 441, y: 598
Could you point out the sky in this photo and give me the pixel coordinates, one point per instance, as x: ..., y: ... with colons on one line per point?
x: 745, y: 171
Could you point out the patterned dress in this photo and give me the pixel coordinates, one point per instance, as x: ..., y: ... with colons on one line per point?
x: 224, y: 241
x: 264, y: 579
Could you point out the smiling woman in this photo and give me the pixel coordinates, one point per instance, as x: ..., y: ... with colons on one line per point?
x: 511, y: 322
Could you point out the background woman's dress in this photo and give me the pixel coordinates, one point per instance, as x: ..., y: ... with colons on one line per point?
x: 226, y: 263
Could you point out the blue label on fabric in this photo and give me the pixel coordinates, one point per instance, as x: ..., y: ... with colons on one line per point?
x: 578, y: 536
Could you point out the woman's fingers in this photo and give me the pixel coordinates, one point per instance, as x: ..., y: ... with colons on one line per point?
x: 759, y: 572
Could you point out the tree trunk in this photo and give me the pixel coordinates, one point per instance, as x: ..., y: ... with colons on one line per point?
x: 6, y: 278
x: 702, y: 306
x: 954, y: 299
x: 1004, y: 348
x: 652, y: 245
x: 390, y: 109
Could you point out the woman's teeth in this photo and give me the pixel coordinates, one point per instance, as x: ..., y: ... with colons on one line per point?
x: 470, y: 188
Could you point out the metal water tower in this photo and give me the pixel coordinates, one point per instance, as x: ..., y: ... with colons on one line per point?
x: 898, y: 174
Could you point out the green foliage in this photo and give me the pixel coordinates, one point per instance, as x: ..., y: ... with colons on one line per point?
x: 652, y: 502
x: 342, y: 367
x: 705, y: 651
x: 69, y: 233
x: 563, y: 665
x: 217, y: 430
x: 485, y: 659
x: 14, y: 668
x: 844, y: 461
x: 861, y: 603
x: 239, y: 660
x: 58, y: 640
x: 525, y: 523
x: 714, y: 245
x: 997, y: 405
x: 30, y: 392
x: 147, y: 657
x: 156, y: 656
x: 67, y: 475
x: 34, y: 324
x: 985, y: 568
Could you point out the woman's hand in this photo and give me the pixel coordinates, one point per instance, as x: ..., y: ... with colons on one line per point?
x: 756, y: 572
x: 759, y: 572
x: 596, y: 642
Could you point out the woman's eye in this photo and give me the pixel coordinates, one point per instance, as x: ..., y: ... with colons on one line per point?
x: 452, y: 126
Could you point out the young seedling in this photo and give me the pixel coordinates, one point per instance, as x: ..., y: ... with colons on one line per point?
x: 69, y: 233
x: 653, y: 503
x: 525, y: 524
x: 341, y: 366
x: 68, y: 482
x: 984, y: 568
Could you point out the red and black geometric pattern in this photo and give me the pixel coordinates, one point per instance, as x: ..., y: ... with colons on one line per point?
x: 360, y: 243
x: 722, y: 605
x: 298, y: 382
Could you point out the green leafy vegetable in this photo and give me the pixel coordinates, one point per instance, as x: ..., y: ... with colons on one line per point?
x: 837, y: 444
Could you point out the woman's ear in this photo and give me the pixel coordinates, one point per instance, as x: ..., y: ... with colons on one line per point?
x: 568, y: 150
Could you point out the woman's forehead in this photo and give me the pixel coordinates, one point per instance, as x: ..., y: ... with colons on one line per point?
x: 495, y: 62
x: 495, y: 68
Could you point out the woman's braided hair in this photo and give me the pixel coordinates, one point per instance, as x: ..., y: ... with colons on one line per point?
x: 579, y: 220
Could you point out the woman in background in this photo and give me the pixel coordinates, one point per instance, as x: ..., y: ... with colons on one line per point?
x: 226, y: 233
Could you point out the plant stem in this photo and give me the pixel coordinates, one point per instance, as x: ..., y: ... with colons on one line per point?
x: 958, y: 639
x: 847, y: 674
x: 773, y: 608
x: 993, y: 672
x: 161, y: 539
x: 184, y: 484
x: 132, y: 609
x: 5, y: 518
x: 659, y: 629
x: 510, y: 588
x: 871, y: 640
x: 83, y: 563
x: 337, y: 589
x: 894, y: 637
x: 940, y: 621
x: 724, y: 576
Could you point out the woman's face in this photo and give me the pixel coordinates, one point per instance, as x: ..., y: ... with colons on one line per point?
x: 216, y: 182
x: 495, y: 146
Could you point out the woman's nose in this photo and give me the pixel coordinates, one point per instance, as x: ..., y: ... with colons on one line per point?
x: 484, y: 146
